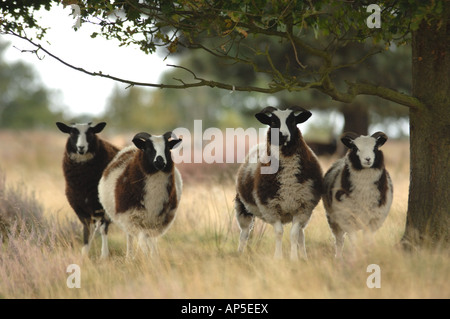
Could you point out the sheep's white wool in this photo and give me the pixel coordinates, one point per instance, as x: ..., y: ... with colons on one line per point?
x: 366, y: 147
x: 360, y: 209
x: 287, y: 195
x: 284, y: 129
x: 107, y: 184
x: 144, y: 220
x: 159, y: 144
x: 82, y: 140
x: 357, y: 199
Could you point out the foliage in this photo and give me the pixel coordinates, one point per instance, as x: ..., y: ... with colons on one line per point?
x: 24, y: 102
x: 18, y: 208
x: 224, y: 29
x: 391, y: 68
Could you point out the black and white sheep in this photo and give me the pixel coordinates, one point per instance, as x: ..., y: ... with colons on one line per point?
x: 287, y: 194
x: 358, y: 190
x: 141, y: 188
x: 86, y: 156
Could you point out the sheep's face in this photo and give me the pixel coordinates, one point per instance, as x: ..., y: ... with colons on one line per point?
x: 364, y: 152
x: 285, y: 121
x: 82, y: 139
x: 156, y: 150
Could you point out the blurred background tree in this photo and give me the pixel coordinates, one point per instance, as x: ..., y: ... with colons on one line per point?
x: 24, y: 102
x: 219, y: 108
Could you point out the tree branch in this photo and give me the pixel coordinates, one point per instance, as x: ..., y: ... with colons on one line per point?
x: 200, y: 82
x: 325, y: 85
x: 355, y: 89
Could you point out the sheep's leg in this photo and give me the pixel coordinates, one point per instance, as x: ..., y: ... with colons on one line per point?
x: 88, y: 235
x: 129, y: 246
x: 295, y: 238
x: 278, y: 228
x: 354, y: 248
x: 152, y: 243
x: 339, y: 244
x: 102, y: 222
x: 142, y: 242
x: 301, y: 242
x: 245, y: 221
x: 104, y: 232
x: 338, y: 234
x: 298, y: 238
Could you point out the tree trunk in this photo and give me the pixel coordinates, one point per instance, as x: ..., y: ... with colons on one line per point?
x: 428, y: 216
x: 356, y: 119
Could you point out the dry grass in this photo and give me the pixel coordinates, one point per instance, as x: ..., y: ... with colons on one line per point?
x: 198, y: 256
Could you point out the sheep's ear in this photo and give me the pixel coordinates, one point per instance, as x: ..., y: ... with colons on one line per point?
x: 265, y: 115
x: 63, y: 127
x: 174, y: 143
x: 301, y: 117
x: 99, y: 127
x: 380, y: 137
x: 347, y: 139
x: 172, y: 140
x: 139, y: 140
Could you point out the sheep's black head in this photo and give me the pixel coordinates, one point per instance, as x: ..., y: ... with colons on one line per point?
x: 156, y: 150
x: 364, y: 152
x: 82, y: 139
x: 285, y: 121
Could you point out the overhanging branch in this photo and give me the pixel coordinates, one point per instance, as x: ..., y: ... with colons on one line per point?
x: 355, y: 89
x: 200, y: 81
x: 325, y: 85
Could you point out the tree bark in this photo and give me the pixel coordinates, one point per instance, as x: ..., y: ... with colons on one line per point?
x: 356, y: 119
x: 428, y: 221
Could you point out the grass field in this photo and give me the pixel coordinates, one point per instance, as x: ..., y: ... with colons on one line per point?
x: 198, y: 257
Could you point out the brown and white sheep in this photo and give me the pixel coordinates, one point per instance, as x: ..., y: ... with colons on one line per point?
x: 288, y: 194
x: 85, y: 157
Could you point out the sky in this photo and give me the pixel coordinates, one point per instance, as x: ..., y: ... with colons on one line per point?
x: 81, y: 93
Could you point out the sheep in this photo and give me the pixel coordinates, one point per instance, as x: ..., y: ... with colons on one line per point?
x: 358, y: 190
x: 141, y: 188
x: 287, y: 195
x: 86, y: 156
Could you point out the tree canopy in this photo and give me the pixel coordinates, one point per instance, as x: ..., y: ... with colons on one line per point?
x: 24, y: 102
x: 222, y: 29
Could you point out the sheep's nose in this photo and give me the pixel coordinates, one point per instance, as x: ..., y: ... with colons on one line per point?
x: 81, y: 149
x: 367, y: 159
x: 283, y: 138
x: 159, y: 163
